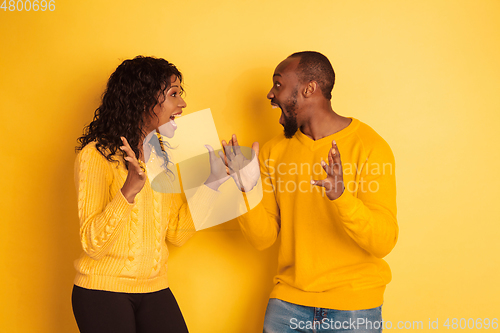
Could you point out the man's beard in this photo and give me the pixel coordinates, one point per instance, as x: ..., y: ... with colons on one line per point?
x: 291, y: 127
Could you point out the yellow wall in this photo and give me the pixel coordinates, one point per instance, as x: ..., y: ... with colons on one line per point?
x: 425, y: 74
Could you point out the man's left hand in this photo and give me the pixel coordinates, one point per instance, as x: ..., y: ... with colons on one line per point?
x: 334, y: 181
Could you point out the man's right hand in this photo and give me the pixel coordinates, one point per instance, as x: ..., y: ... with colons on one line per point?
x: 245, y: 172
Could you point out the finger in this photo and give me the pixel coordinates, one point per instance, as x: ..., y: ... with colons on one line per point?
x: 211, y: 152
x: 230, y: 146
x: 130, y: 158
x: 227, y: 149
x: 256, y: 149
x: 336, y: 158
x: 331, y: 169
x: 325, y: 166
x: 126, y: 148
x: 322, y: 183
x: 125, y: 142
x: 317, y: 182
x: 236, y: 146
x: 223, y: 158
x: 335, y: 152
x: 139, y: 169
x: 133, y: 165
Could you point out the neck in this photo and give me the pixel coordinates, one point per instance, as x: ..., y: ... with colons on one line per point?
x: 323, y: 121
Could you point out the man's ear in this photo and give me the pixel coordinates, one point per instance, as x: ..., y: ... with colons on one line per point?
x: 310, y: 89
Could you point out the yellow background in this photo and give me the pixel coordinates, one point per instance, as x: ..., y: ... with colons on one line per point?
x: 424, y: 74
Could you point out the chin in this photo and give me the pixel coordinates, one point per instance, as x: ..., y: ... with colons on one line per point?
x: 167, y: 130
x: 169, y: 133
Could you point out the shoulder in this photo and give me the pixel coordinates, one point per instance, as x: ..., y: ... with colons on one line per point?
x: 90, y: 151
x: 274, y: 144
x: 90, y: 156
x: 372, y: 142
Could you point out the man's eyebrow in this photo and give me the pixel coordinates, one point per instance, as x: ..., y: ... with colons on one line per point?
x: 176, y: 86
x: 276, y: 74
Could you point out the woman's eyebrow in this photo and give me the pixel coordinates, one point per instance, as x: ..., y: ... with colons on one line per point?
x: 174, y: 86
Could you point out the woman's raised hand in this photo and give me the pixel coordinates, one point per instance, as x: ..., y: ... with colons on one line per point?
x: 218, y: 170
x: 136, y: 177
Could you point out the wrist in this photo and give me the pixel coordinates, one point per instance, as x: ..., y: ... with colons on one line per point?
x: 129, y: 195
x: 333, y: 195
x: 213, y: 182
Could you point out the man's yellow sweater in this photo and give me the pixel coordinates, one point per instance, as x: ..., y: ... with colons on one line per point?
x: 331, y: 251
x: 124, y: 245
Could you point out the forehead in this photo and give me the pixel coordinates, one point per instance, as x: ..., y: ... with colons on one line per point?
x: 174, y: 79
x: 287, y: 69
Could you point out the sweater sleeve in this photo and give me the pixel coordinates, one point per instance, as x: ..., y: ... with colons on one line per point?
x: 180, y: 225
x: 261, y: 225
x: 370, y: 218
x: 101, y: 216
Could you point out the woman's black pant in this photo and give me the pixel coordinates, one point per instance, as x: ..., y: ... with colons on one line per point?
x: 98, y: 311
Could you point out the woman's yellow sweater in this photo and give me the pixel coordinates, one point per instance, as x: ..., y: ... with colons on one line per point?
x: 124, y: 244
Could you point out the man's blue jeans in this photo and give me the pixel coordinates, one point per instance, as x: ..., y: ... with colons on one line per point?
x: 284, y: 317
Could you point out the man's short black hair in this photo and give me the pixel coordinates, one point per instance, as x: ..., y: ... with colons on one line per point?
x: 314, y: 66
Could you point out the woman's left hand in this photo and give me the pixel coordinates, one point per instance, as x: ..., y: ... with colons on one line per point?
x: 219, y: 173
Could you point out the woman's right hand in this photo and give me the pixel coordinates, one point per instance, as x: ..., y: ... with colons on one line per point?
x: 136, y: 177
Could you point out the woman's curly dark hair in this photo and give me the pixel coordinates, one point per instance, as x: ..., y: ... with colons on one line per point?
x: 133, y: 90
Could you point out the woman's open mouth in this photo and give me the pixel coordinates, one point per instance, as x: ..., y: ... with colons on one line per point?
x: 172, y: 119
x: 178, y: 114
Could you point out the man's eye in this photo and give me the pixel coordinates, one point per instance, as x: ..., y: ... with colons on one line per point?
x: 277, y: 84
x: 174, y: 94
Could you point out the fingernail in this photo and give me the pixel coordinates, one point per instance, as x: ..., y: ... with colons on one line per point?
x: 312, y: 182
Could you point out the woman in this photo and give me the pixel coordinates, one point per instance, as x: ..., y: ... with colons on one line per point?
x: 121, y: 283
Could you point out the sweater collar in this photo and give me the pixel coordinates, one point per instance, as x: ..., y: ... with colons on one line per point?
x: 327, y: 140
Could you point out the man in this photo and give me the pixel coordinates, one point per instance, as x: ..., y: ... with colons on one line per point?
x: 337, y: 219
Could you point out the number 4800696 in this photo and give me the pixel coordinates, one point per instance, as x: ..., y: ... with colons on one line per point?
x: 28, y: 5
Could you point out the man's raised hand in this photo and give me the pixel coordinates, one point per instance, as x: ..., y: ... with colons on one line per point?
x: 334, y: 181
x: 245, y: 172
